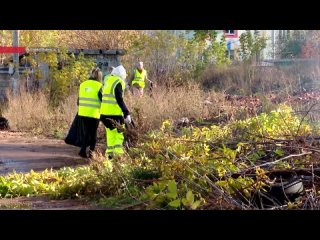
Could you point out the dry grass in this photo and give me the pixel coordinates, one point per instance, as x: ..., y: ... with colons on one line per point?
x: 190, y: 101
x: 245, y: 79
x: 32, y: 113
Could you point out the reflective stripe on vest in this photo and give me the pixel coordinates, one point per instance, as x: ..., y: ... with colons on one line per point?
x: 109, y: 105
x: 89, y: 102
x: 115, y: 146
x: 139, y: 78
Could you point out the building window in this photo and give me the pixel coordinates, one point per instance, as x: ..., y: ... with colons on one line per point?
x: 231, y: 33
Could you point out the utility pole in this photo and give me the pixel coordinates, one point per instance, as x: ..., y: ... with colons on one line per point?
x: 229, y: 48
x: 273, y: 43
x: 16, y: 76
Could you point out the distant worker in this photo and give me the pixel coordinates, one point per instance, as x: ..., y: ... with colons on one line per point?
x: 138, y: 80
x: 11, y: 69
x: 89, y: 103
x: 114, y: 112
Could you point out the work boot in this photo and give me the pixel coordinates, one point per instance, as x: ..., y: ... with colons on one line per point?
x: 110, y: 155
x: 90, y: 154
x: 83, y: 154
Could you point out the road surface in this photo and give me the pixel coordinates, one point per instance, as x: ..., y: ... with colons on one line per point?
x: 21, y: 153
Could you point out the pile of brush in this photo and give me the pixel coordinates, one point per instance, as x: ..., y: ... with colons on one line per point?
x: 4, y: 124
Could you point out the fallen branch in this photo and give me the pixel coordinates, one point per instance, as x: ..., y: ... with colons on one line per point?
x: 283, y: 172
x: 148, y: 180
x: 274, y: 162
x: 134, y: 205
x: 274, y: 141
x: 284, y: 158
x: 304, y: 116
x: 212, y: 184
x: 305, y: 148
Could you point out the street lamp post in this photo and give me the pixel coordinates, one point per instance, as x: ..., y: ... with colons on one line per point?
x: 16, y: 76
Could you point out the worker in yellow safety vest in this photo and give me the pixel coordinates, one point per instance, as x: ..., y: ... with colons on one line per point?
x: 114, y: 112
x: 138, y: 80
x: 89, y: 103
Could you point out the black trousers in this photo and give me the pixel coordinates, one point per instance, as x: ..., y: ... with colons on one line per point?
x: 89, y: 130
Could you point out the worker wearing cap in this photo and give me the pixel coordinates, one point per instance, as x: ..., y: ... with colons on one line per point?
x: 138, y: 79
x: 114, y: 112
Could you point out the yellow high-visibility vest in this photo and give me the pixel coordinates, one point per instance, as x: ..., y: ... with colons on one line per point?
x: 109, y: 105
x: 105, y: 78
x: 89, y: 102
x: 139, y: 78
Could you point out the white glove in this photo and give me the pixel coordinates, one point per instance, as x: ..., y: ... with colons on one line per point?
x: 127, y: 119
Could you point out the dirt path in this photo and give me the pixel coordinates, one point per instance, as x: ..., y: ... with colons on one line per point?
x: 45, y: 203
x: 21, y: 153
